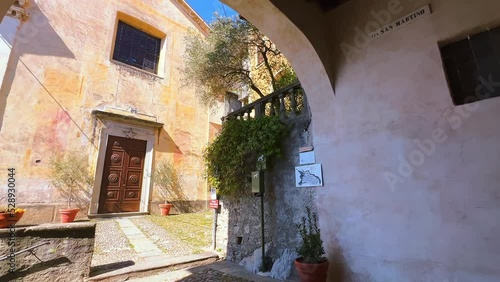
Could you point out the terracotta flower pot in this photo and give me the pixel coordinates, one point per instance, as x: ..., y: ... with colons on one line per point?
x: 312, y: 272
x: 68, y: 215
x: 165, y: 209
x: 6, y: 219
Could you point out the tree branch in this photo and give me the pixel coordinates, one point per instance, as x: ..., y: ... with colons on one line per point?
x: 270, y: 70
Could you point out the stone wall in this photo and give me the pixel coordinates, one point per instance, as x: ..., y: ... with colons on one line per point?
x: 66, y: 257
x: 239, y: 227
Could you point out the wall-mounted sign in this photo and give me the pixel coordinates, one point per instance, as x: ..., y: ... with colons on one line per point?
x: 213, y: 204
x: 413, y: 16
x: 307, y: 158
x: 308, y: 176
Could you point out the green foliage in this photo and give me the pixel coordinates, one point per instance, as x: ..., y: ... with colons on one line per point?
x: 220, y: 62
x: 167, y: 179
x: 70, y: 174
x: 215, y: 65
x: 311, y: 249
x: 232, y: 156
x: 286, y: 77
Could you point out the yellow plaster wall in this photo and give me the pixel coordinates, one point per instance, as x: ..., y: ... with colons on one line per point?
x: 260, y: 74
x: 61, y: 69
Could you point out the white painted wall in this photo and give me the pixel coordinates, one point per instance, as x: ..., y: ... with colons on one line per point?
x: 442, y: 222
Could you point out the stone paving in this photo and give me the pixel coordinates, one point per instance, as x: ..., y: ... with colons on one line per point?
x: 166, y: 241
x: 142, y: 245
x: 123, y: 236
x: 111, y: 245
x: 134, y: 239
x: 222, y: 271
x: 186, y: 275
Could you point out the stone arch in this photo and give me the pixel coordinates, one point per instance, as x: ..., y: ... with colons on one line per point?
x: 302, y: 55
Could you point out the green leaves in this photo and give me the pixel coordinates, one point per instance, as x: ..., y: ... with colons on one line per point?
x: 222, y: 61
x: 216, y: 64
x: 70, y: 174
x: 232, y: 156
x: 167, y: 179
x: 312, y: 246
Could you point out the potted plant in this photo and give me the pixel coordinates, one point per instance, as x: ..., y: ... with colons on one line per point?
x: 311, y: 264
x: 70, y: 175
x: 9, y: 217
x: 167, y: 180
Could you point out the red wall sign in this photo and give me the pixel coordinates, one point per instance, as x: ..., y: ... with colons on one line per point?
x: 213, y: 204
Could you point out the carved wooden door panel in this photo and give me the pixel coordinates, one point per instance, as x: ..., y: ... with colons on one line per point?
x: 122, y: 175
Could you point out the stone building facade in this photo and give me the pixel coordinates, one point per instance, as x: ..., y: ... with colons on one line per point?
x: 101, y: 79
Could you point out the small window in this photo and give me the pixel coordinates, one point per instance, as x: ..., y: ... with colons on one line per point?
x: 471, y: 63
x: 136, y: 48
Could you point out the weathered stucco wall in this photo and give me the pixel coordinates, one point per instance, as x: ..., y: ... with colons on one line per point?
x: 437, y: 224
x: 60, y: 70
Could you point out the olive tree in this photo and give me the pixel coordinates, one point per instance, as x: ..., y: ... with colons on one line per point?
x: 221, y: 61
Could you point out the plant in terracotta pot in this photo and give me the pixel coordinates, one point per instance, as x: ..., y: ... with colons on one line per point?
x: 9, y: 216
x: 71, y: 176
x: 312, y: 265
x: 166, y: 179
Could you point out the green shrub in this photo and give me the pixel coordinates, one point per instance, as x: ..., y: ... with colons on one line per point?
x: 70, y: 174
x: 232, y: 156
x: 311, y: 249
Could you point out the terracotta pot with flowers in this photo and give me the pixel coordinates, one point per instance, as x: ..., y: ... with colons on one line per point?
x: 10, y: 216
x: 166, y: 179
x: 312, y: 265
x: 71, y: 176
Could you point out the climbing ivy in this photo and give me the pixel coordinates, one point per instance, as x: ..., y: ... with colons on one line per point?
x: 232, y: 156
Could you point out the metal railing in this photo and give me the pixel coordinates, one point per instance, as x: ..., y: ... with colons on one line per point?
x: 31, y: 250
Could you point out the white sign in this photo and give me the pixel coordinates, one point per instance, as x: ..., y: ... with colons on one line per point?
x: 308, y: 176
x: 307, y: 158
x: 213, y: 194
x: 424, y: 11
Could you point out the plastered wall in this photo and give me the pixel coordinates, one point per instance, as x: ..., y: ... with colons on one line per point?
x: 396, y: 207
x: 60, y: 70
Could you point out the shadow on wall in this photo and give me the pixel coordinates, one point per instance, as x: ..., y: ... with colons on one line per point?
x: 166, y: 143
x: 37, y: 37
x: 170, y: 186
x: 35, y: 268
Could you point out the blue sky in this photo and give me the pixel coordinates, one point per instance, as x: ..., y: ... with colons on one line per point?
x: 206, y: 9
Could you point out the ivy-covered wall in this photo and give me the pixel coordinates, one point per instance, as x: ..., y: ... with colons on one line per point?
x: 284, y: 203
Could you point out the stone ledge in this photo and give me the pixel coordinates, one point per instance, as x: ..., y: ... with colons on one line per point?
x: 57, y: 230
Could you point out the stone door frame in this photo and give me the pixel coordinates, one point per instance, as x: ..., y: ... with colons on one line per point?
x: 121, y: 129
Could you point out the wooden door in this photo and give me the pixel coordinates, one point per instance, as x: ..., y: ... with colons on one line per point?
x: 122, y: 175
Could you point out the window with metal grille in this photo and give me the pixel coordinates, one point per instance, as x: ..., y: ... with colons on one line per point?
x: 471, y: 65
x: 137, y: 48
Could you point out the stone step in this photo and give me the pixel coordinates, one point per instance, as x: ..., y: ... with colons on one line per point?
x: 151, y: 267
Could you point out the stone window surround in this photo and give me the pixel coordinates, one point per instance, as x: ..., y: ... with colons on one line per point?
x: 147, y: 28
x: 127, y: 127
